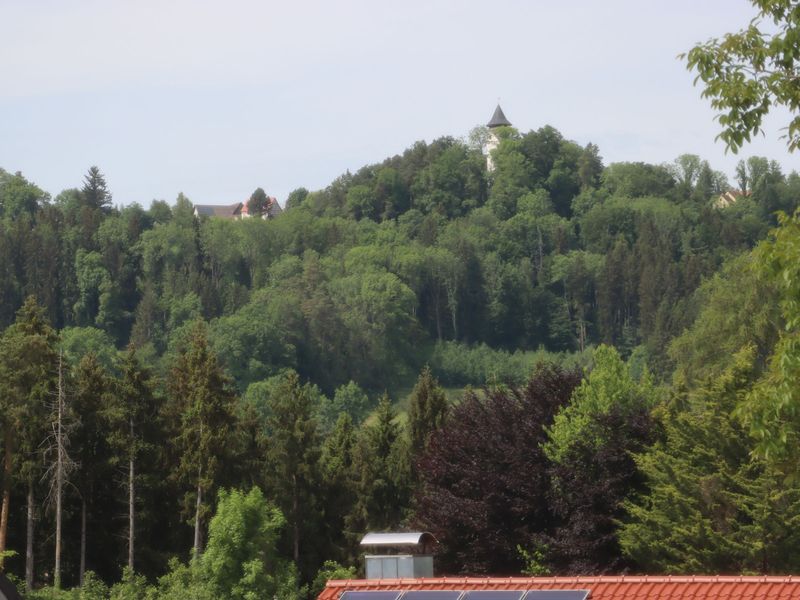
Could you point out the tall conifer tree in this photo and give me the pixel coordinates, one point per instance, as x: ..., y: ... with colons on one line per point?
x: 339, y: 487
x: 293, y: 452
x: 28, y: 363
x: 201, y: 405
x: 427, y: 410
x: 381, y: 473
x: 95, y: 191
x: 710, y: 506
x: 135, y: 427
x: 91, y: 392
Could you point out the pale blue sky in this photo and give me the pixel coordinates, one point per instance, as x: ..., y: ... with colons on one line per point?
x: 217, y: 98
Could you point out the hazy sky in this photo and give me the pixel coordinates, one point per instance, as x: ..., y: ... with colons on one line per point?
x: 217, y: 98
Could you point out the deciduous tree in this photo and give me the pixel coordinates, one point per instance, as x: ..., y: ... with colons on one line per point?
x: 258, y: 203
x: 746, y: 73
x: 484, y: 477
x: 590, y: 444
x: 242, y: 561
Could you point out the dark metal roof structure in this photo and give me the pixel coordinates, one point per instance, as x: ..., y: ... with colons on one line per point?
x: 498, y: 118
x: 274, y: 208
x: 215, y: 210
x: 7, y: 589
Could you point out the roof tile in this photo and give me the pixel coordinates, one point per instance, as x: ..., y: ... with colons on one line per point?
x: 602, y: 587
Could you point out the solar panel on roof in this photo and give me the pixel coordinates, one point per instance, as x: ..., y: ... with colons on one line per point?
x: 494, y: 595
x: 557, y: 595
x: 393, y: 595
x: 432, y: 595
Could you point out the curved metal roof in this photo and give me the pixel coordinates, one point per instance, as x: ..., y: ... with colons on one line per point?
x: 411, y: 538
x: 498, y: 118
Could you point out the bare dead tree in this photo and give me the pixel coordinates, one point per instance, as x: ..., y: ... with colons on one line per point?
x: 60, y: 465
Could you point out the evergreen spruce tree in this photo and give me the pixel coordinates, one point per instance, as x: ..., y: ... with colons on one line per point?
x: 201, y: 406
x: 92, y: 385
x: 293, y: 452
x: 427, y: 410
x: 339, y: 486
x: 28, y: 362
x: 134, y: 432
x: 710, y: 507
x: 382, y: 478
x: 95, y: 191
x: 614, y: 307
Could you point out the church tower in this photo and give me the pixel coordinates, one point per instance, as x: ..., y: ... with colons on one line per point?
x: 498, y: 120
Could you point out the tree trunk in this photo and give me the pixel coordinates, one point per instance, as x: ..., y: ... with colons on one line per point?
x: 452, y: 304
x: 296, y: 519
x: 8, y: 469
x: 29, y: 538
x: 82, y: 567
x: 540, y: 262
x: 436, y: 297
x: 197, y: 548
x: 131, y: 513
x: 582, y: 334
x: 59, y: 473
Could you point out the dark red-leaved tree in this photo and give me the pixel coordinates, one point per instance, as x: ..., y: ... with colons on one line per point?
x: 484, y: 478
x: 588, y: 489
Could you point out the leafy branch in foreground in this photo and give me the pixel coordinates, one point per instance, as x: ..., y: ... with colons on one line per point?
x: 748, y: 72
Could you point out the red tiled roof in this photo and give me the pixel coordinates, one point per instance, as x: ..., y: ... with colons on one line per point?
x: 602, y: 588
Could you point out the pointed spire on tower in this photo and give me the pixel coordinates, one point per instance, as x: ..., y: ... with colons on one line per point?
x: 498, y: 119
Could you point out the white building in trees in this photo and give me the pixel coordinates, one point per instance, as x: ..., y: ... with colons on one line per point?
x: 498, y: 120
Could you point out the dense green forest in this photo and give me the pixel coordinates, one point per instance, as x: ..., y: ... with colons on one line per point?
x: 601, y: 358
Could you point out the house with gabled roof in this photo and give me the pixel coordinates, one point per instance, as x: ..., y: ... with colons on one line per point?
x: 236, y: 211
x: 404, y: 571
x: 729, y: 198
x: 618, y: 587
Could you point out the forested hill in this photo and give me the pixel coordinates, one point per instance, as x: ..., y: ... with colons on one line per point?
x: 614, y: 318
x: 423, y: 258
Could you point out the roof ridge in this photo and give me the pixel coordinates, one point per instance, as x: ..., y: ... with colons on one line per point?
x: 631, y: 579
